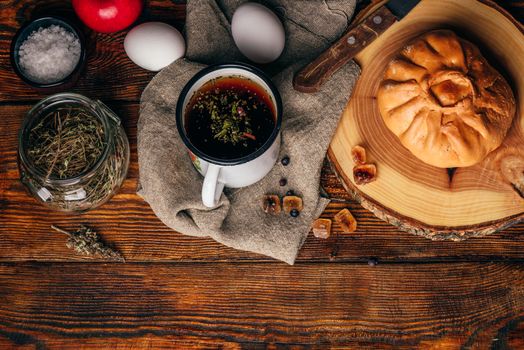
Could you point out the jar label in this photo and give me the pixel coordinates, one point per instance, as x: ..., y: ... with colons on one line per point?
x: 75, y: 195
x: 44, y: 194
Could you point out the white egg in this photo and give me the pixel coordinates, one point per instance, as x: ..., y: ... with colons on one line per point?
x: 258, y: 32
x: 154, y: 45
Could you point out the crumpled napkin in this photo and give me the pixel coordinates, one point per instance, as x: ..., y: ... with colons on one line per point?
x: 168, y: 181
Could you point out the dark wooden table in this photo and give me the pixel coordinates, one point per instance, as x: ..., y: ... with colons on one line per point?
x: 184, y: 292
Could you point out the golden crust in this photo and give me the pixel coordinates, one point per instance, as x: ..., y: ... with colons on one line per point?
x: 444, y: 101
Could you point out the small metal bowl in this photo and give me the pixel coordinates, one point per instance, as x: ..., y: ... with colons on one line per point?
x: 34, y: 25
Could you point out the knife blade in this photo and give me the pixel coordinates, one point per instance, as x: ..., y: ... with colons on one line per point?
x: 311, y: 77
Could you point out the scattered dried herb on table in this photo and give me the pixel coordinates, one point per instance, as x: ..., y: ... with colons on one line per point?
x: 87, y: 242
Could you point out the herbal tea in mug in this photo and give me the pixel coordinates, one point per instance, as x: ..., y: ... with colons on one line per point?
x: 229, y: 117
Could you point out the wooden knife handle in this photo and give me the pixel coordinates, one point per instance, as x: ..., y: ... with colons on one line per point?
x: 311, y: 77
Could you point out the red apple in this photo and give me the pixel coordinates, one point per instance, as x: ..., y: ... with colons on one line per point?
x: 108, y: 16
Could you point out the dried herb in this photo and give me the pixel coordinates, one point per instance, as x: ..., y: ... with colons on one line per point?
x: 64, y: 145
x: 87, y: 242
x: 69, y: 143
x: 230, y: 119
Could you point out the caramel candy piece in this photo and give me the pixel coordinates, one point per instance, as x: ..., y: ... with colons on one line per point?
x: 358, y: 153
x: 346, y: 220
x: 292, y: 202
x: 271, y: 204
x: 364, y: 173
x: 322, y: 228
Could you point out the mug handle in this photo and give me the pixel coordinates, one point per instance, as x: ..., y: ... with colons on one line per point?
x: 212, y: 188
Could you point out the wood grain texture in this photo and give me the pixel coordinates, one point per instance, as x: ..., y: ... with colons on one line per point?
x: 180, y: 292
x: 128, y: 222
x: 445, y: 306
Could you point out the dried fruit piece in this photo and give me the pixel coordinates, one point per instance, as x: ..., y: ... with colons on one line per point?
x: 292, y: 202
x: 512, y: 168
x: 285, y: 161
x: 358, y: 153
x: 271, y: 204
x: 346, y: 220
x: 283, y: 182
x: 364, y: 173
x: 322, y: 228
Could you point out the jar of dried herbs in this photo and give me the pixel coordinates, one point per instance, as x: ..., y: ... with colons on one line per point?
x: 73, y: 152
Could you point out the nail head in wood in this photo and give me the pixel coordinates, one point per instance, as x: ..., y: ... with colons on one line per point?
x: 377, y: 19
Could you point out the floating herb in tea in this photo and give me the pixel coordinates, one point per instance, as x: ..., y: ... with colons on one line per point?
x: 229, y: 117
x: 88, y: 242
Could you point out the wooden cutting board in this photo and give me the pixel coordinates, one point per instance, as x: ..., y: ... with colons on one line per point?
x: 408, y: 193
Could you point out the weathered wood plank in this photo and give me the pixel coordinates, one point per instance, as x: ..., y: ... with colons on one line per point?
x: 419, y: 306
x: 255, y: 305
x: 19, y: 340
x: 128, y: 222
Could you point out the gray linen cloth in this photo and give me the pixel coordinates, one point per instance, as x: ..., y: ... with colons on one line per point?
x: 168, y: 181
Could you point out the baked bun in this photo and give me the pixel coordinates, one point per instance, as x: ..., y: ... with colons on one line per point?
x: 445, y: 103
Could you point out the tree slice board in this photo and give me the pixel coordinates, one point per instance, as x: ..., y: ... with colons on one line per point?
x: 434, y: 202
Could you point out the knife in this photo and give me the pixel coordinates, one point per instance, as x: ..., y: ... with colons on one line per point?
x: 311, y: 77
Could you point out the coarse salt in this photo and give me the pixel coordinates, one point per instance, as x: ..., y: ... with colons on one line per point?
x: 49, y: 54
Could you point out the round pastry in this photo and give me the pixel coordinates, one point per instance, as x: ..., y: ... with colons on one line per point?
x: 444, y: 101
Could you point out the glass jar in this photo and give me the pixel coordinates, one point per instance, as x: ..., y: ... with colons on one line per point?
x: 51, y: 184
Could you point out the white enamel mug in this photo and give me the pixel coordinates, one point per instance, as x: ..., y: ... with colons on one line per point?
x: 234, y: 172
